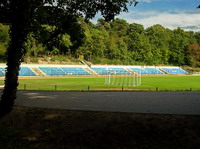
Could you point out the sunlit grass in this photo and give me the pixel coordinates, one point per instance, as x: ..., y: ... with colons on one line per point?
x: 163, y: 83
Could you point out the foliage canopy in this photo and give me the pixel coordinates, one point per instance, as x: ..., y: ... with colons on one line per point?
x: 25, y: 16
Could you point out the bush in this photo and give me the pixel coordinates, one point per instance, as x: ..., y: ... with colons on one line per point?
x: 34, y: 60
x: 59, y: 58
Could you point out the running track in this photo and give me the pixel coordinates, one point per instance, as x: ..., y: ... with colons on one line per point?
x: 184, y: 102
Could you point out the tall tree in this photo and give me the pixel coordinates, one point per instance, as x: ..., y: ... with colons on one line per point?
x: 4, y: 40
x: 159, y: 40
x: 25, y: 15
x: 140, y: 48
x: 178, y: 44
x: 193, y: 55
x: 134, y: 27
x: 119, y: 27
x: 18, y: 32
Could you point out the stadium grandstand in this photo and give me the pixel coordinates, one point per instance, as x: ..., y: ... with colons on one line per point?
x: 82, y: 70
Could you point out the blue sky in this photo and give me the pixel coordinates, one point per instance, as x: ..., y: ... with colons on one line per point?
x: 168, y: 13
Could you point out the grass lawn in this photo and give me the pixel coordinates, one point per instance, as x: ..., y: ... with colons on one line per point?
x: 163, y: 83
x: 172, y: 82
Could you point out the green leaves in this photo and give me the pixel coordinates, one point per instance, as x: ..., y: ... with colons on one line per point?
x: 193, y: 55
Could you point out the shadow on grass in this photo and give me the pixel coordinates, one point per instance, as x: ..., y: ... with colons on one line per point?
x: 62, y: 129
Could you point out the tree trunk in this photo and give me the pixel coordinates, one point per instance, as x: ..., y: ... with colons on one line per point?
x: 20, y: 24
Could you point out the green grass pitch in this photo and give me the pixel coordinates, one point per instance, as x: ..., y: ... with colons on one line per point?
x: 162, y: 83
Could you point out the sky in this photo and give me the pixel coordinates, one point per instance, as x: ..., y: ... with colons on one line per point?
x: 168, y: 13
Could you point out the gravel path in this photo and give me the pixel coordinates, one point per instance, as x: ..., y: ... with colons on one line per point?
x: 184, y: 102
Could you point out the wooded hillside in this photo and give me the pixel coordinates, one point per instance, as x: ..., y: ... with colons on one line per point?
x: 116, y: 41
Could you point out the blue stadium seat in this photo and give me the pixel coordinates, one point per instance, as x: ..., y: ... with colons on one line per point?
x: 25, y: 71
x: 63, y: 71
x: 2, y: 71
x: 74, y: 70
x: 147, y: 70
x: 109, y: 70
x: 52, y: 71
x: 174, y: 71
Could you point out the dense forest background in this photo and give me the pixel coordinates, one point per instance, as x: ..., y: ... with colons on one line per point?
x: 115, y: 42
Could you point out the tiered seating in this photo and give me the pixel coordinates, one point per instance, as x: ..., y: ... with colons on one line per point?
x: 109, y: 70
x: 63, y: 71
x: 52, y: 71
x: 146, y: 70
x: 101, y: 70
x: 153, y: 71
x: 74, y: 70
x: 2, y: 71
x: 172, y: 70
x: 24, y: 71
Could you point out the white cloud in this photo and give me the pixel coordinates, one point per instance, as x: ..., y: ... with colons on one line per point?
x: 166, y: 19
